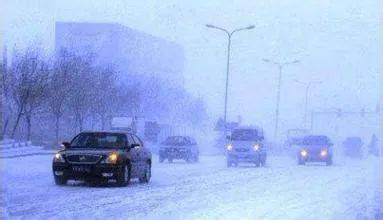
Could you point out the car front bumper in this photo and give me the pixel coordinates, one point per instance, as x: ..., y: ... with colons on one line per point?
x: 314, y: 158
x: 86, y: 171
x: 250, y: 157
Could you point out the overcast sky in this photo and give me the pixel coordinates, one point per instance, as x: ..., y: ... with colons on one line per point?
x: 338, y: 42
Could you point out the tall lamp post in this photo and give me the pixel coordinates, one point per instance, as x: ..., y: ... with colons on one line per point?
x: 280, y: 68
x: 229, y: 35
x: 307, y: 89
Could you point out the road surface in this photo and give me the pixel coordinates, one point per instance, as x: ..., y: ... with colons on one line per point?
x: 207, y: 190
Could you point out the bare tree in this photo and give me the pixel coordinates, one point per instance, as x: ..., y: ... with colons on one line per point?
x: 59, y: 87
x: 29, y: 80
x: 80, y: 100
x: 105, y: 94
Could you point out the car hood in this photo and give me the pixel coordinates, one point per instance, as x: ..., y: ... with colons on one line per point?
x: 75, y: 151
x: 244, y: 144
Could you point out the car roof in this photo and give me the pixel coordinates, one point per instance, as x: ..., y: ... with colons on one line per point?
x: 110, y: 132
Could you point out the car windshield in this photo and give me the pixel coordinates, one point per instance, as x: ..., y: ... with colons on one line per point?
x: 175, y: 140
x: 316, y: 140
x: 99, y: 140
x: 245, y: 135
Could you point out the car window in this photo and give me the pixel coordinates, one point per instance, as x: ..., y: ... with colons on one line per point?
x: 99, y: 140
x: 137, y: 140
x: 245, y: 135
x: 130, y: 139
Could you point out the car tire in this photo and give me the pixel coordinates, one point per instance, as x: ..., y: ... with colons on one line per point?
x: 124, y: 176
x: 196, y: 158
x: 170, y: 160
x: 257, y: 163
x: 188, y: 158
x: 329, y: 162
x: 60, y: 180
x: 263, y: 161
x: 161, y: 159
x: 229, y: 164
x: 301, y: 162
x: 147, y: 174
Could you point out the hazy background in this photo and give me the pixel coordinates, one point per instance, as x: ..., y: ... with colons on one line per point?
x: 338, y: 42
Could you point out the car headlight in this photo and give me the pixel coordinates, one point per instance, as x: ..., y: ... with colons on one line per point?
x: 323, y: 153
x: 112, y: 158
x: 59, y: 158
x: 256, y: 147
x: 229, y: 147
x: 304, y: 153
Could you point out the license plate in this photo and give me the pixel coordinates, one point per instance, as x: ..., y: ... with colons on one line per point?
x: 81, y: 169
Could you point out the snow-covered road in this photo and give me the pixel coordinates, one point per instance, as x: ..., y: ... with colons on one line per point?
x: 207, y: 190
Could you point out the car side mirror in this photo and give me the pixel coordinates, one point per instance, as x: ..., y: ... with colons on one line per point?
x: 134, y: 145
x: 65, y: 145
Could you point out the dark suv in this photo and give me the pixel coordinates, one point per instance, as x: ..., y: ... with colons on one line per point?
x: 179, y: 147
x: 315, y: 148
x: 103, y: 156
x: 246, y: 145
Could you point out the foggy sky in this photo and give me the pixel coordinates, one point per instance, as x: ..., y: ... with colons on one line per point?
x: 338, y: 42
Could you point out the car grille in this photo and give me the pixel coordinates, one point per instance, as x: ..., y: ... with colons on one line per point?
x: 83, y: 158
x: 241, y: 149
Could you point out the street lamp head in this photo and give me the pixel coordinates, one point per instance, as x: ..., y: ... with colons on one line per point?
x: 250, y: 27
x: 210, y: 26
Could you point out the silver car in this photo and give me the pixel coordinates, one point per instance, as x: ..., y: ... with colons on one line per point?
x: 246, y: 145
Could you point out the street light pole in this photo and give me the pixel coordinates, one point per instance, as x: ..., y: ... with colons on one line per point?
x: 280, y: 68
x: 229, y: 35
x: 307, y: 89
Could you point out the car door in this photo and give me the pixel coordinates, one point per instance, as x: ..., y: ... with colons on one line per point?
x: 134, y: 156
x: 141, y: 152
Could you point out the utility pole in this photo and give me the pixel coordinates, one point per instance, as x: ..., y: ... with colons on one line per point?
x: 229, y: 35
x: 307, y: 89
x: 280, y: 68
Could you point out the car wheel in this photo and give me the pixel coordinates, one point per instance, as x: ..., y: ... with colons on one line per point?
x: 124, y: 176
x: 329, y: 162
x: 257, y: 163
x: 170, y: 160
x: 147, y: 174
x: 188, y: 159
x: 60, y: 180
x: 196, y: 158
x: 263, y: 160
x: 229, y: 164
x: 161, y: 159
x: 301, y: 162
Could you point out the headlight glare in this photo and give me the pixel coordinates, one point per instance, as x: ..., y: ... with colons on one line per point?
x: 229, y: 147
x: 112, y: 158
x: 304, y: 153
x: 59, y: 158
x: 256, y: 147
x: 323, y: 153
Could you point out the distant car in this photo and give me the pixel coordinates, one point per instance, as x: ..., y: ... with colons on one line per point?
x: 352, y: 147
x: 246, y: 145
x: 315, y: 148
x: 102, y: 156
x: 179, y: 147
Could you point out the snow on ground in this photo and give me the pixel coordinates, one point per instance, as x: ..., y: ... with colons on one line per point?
x: 207, y: 190
x: 10, y: 148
